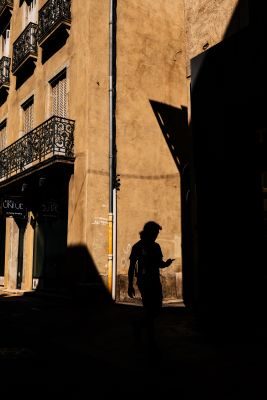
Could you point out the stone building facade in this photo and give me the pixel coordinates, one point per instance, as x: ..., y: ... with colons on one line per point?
x: 98, y: 136
x: 55, y: 138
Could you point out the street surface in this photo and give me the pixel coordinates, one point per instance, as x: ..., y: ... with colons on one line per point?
x: 52, y: 345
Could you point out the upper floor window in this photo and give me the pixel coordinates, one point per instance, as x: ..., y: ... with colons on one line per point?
x: 5, y: 42
x: 30, y: 12
x: 59, y: 100
x: 2, y: 135
x: 27, y: 109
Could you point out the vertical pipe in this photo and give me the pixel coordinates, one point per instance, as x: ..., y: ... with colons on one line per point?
x: 111, y: 107
x: 111, y: 244
x: 114, y: 266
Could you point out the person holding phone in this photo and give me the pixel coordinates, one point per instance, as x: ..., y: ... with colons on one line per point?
x: 146, y: 260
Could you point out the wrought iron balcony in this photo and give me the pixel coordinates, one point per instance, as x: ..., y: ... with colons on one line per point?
x: 53, y: 15
x: 5, y: 5
x: 53, y: 138
x: 4, y: 72
x: 25, y: 47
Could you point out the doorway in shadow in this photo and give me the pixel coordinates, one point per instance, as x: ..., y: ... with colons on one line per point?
x: 2, y: 249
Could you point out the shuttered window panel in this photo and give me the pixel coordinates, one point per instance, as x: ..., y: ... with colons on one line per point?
x: 59, y: 96
x: 2, y: 135
x: 31, y: 13
x: 6, y: 42
x: 28, y: 115
x: 28, y: 119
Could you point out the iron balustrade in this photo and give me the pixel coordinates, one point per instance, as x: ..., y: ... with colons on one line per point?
x: 25, y: 46
x: 51, y: 15
x: 53, y: 137
x: 4, y: 71
x: 5, y: 4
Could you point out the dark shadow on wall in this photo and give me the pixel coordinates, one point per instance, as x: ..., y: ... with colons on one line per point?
x: 3, y: 96
x: 221, y: 158
x: 83, y: 278
x: 240, y: 18
x: 79, y: 278
x: 228, y: 90
x: 25, y: 73
x: 54, y: 44
x: 173, y: 123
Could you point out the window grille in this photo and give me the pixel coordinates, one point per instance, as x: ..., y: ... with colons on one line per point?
x: 2, y: 135
x: 28, y: 115
x: 59, y: 95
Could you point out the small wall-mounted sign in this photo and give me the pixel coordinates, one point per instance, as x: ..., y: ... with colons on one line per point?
x: 14, y: 206
x: 49, y: 208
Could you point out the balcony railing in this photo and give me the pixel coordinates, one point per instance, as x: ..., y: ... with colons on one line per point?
x: 55, y: 137
x: 4, y: 72
x: 25, y: 47
x: 53, y: 14
x: 5, y: 5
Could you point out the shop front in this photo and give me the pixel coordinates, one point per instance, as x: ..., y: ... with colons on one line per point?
x: 33, y: 231
x: 34, y: 186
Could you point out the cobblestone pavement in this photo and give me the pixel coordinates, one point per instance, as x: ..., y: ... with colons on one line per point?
x: 59, y: 346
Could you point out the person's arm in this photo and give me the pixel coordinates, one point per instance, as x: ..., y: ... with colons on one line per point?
x: 164, y: 264
x: 167, y: 263
x: 131, y: 291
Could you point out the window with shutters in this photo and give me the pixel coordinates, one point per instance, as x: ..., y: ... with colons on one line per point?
x: 59, y: 98
x: 27, y: 108
x: 2, y: 135
x: 30, y: 12
x: 5, y: 41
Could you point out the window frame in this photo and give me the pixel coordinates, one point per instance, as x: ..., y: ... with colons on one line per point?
x: 24, y: 106
x: 54, y: 81
x: 30, y: 14
x: 3, y: 128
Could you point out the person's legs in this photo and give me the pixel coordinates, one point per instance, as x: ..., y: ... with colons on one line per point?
x: 152, y: 307
x: 151, y: 294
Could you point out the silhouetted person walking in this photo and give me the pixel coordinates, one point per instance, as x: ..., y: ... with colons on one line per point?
x: 146, y: 259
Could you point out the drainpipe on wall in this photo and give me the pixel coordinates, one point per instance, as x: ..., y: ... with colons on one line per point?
x: 112, y: 243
